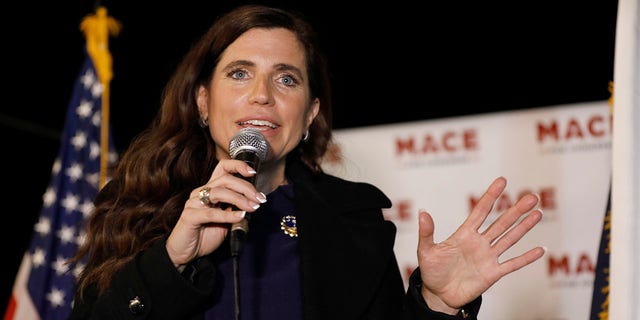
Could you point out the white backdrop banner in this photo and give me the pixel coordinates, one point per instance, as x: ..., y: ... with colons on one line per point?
x: 562, y: 153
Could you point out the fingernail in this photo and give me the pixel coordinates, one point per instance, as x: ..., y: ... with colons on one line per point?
x: 256, y: 206
x: 538, y: 197
x: 252, y: 171
x: 241, y: 214
x: 261, y: 197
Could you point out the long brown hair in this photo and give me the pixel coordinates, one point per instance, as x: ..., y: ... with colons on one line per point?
x: 155, y: 175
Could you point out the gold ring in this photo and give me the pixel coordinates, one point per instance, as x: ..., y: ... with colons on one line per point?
x: 204, y: 196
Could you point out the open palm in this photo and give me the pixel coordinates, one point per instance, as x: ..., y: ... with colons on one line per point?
x: 458, y: 270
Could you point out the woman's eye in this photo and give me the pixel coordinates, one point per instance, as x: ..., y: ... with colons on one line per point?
x: 238, y: 74
x: 288, y: 80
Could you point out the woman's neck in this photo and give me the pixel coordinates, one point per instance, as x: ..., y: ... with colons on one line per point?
x: 270, y: 176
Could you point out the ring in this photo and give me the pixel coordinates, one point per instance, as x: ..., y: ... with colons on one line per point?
x: 204, y: 196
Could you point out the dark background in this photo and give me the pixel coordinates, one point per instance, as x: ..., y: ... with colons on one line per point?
x: 392, y: 62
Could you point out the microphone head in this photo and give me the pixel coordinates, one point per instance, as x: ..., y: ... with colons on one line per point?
x: 249, y: 140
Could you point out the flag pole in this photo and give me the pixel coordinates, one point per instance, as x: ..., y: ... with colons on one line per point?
x: 97, y: 28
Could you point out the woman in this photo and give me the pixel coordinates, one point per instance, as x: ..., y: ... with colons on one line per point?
x: 157, y: 245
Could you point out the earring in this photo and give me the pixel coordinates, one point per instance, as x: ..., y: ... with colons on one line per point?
x: 305, y: 138
x: 204, y: 122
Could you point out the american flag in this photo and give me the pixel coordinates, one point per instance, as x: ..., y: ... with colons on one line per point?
x: 44, y: 286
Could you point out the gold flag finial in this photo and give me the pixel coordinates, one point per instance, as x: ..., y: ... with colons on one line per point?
x: 97, y: 28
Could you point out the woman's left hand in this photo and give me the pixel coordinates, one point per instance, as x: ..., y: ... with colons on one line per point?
x: 458, y: 270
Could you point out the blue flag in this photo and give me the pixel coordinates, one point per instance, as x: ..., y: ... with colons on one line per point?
x: 600, y: 296
x: 44, y: 286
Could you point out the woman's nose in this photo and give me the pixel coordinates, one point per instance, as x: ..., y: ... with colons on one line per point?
x: 261, y: 92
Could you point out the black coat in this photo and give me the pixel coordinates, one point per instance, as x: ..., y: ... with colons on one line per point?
x: 348, y: 266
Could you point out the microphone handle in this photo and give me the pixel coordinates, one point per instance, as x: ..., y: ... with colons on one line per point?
x: 240, y: 229
x: 238, y: 236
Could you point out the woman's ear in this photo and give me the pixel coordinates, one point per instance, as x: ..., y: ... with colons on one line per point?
x: 313, y: 111
x: 202, y: 99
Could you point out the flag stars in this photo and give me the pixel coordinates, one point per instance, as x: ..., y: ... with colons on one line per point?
x: 93, y: 179
x: 56, y: 297
x: 94, y: 150
x: 77, y: 269
x: 79, y: 140
x: 88, y: 79
x: 43, y: 227
x: 57, y: 165
x: 86, y: 207
x: 49, y: 197
x: 113, y: 157
x: 81, y: 238
x: 74, y: 172
x: 96, y: 120
x: 96, y: 89
x: 38, y: 257
x: 60, y: 266
x: 70, y: 202
x: 84, y: 109
x: 66, y: 234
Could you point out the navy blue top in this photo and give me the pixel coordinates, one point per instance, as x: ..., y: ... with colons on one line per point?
x: 269, y: 274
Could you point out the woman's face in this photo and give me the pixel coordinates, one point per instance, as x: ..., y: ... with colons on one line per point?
x: 261, y: 81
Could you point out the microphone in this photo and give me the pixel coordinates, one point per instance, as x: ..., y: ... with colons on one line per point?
x: 250, y: 146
